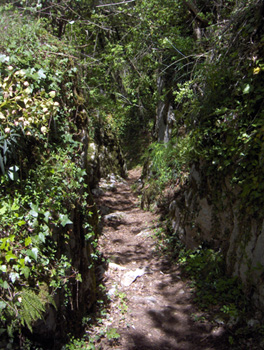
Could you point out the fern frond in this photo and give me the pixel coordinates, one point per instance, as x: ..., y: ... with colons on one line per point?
x: 32, y: 307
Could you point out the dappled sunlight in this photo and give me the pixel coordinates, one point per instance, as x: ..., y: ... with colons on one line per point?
x: 159, y: 304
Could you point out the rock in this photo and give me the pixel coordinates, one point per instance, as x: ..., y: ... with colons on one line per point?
x: 144, y: 233
x: 97, y: 192
x: 113, y: 178
x: 112, y: 291
x: 131, y: 276
x: 144, y: 300
x: 107, y: 185
x: 151, y: 299
x: 117, y: 216
x: 114, y: 266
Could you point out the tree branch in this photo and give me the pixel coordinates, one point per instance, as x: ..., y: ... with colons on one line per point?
x: 117, y: 3
x: 195, y: 11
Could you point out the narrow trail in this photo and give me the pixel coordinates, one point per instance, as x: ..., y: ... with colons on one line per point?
x: 155, y: 310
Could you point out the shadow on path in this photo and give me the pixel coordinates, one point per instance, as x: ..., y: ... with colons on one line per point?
x: 158, y: 308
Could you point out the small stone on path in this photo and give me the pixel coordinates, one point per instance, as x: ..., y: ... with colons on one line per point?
x: 131, y: 276
x: 114, y: 266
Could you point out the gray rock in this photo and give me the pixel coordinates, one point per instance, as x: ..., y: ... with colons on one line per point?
x: 97, y: 192
x: 111, y: 293
x: 116, y: 216
x: 144, y: 233
x: 144, y: 300
x: 131, y: 276
x: 104, y: 210
x: 114, y: 266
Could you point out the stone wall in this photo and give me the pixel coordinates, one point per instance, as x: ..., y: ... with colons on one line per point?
x: 203, y: 211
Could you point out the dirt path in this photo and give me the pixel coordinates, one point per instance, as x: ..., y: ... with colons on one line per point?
x: 156, y: 310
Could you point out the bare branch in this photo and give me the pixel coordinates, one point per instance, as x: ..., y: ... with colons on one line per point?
x: 60, y: 54
x: 117, y: 3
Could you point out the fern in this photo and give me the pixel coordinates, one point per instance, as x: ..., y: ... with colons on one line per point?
x: 32, y: 307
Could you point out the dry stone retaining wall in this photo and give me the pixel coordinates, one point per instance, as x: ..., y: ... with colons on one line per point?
x: 202, y: 213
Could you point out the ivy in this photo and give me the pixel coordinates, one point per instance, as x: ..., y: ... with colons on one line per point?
x: 42, y: 176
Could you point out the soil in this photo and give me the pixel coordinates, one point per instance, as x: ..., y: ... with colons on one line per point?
x: 157, y: 310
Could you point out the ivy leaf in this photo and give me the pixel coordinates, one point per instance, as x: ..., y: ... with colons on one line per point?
x: 10, y: 256
x: 26, y: 271
x: 28, y: 241
x: 27, y: 259
x: 13, y: 276
x: 65, y: 220
x: 33, y: 253
x: 47, y: 216
x: 41, y: 237
x: 3, y: 268
x: 34, y: 210
x: 4, y: 284
x: 33, y: 213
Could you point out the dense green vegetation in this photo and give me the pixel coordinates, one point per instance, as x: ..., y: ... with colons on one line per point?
x: 66, y: 69
x: 43, y: 181
x: 219, y: 106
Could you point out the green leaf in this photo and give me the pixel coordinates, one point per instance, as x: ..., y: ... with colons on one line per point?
x: 3, y: 210
x: 21, y: 262
x: 65, y: 220
x: 34, y: 253
x: 13, y: 276
x: 41, y: 237
x: 2, y: 305
x: 79, y: 277
x: 246, y: 89
x: 33, y: 213
x: 28, y: 241
x: 21, y: 222
x: 34, y: 210
x: 10, y: 256
x: 5, y: 285
x: 26, y: 271
x: 46, y: 216
x: 14, y: 207
x: 3, y: 268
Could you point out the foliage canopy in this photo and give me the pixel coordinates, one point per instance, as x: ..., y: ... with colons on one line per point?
x: 70, y: 66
